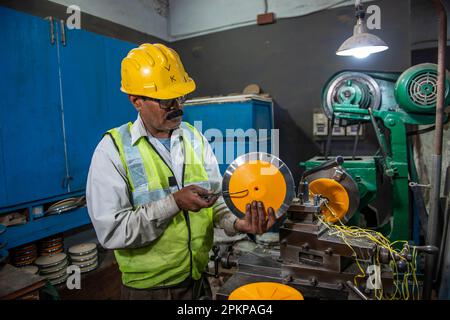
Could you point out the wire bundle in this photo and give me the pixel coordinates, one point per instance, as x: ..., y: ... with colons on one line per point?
x: 401, y: 281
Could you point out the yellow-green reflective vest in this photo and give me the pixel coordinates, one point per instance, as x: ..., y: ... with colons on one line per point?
x: 183, y: 248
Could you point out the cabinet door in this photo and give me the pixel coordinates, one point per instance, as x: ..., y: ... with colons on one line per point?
x: 32, y: 162
x: 120, y: 110
x: 93, y: 102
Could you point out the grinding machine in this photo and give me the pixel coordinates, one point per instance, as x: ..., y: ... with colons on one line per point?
x: 312, y: 256
x: 392, y: 104
x: 325, y: 249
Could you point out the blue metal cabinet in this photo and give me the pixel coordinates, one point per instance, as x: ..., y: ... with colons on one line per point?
x: 56, y: 102
x: 232, y: 112
x: 227, y: 114
x: 92, y: 100
x: 30, y: 118
x: 83, y: 68
x: 119, y: 107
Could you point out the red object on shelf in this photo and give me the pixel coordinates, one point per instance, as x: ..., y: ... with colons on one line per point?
x: 265, y: 18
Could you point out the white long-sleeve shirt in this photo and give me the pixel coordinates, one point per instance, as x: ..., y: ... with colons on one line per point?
x: 117, y: 224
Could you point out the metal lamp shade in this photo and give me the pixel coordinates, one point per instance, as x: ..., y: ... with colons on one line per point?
x: 361, y: 44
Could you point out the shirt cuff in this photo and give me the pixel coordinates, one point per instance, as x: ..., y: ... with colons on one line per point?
x: 228, y: 225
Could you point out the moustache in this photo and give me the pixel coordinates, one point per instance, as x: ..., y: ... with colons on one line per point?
x: 174, y: 114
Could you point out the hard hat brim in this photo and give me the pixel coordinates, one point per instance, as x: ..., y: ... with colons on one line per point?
x: 172, y: 92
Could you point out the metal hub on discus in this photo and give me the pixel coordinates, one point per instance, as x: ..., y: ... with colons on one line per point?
x: 258, y: 176
x: 346, y: 181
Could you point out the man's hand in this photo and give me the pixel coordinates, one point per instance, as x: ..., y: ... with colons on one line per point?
x: 256, y: 221
x: 194, y: 198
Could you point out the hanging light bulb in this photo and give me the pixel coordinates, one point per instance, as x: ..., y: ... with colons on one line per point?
x: 362, y: 43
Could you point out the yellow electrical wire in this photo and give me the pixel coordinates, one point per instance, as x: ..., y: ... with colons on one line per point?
x: 346, y: 233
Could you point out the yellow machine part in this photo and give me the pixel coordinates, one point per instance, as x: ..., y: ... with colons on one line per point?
x: 338, y: 199
x: 265, y: 291
x: 262, y: 181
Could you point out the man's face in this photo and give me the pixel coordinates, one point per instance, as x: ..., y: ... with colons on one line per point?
x: 163, y: 115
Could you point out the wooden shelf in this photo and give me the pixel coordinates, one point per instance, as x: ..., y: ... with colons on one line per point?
x: 17, y: 284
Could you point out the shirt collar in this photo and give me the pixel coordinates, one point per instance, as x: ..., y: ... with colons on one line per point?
x: 138, y: 131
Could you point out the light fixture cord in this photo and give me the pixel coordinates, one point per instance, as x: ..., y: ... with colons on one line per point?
x: 359, y: 10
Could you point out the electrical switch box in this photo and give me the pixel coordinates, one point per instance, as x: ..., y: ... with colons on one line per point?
x: 320, y: 124
x: 353, y: 130
x: 338, y: 131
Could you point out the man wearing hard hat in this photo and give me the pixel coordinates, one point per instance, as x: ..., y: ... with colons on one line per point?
x: 151, y: 190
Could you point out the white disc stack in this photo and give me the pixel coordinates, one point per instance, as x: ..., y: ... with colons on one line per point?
x: 30, y: 269
x: 85, y: 256
x: 53, y: 267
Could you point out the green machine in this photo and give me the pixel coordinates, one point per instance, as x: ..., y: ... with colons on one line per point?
x: 389, y: 102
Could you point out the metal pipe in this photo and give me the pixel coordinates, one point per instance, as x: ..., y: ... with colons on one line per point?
x: 442, y: 43
x: 440, y: 276
x: 355, y: 144
x: 356, y: 290
x: 52, y: 30
x: 432, y: 237
x: 377, y: 134
x: 63, y: 32
x: 330, y: 133
x: 444, y: 267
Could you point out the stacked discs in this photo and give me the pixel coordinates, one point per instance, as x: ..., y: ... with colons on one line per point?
x: 53, y: 267
x: 51, y: 245
x: 24, y: 255
x: 85, y: 256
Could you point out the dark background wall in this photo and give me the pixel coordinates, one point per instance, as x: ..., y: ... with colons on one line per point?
x: 424, y: 24
x: 291, y: 60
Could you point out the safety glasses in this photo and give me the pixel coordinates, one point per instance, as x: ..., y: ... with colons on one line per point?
x: 169, y: 103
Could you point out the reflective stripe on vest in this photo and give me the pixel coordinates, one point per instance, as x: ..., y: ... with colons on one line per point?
x: 166, y: 260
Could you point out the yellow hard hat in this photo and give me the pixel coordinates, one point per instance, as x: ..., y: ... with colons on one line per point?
x: 155, y: 71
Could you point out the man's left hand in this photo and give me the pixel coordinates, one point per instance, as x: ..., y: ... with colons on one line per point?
x: 256, y: 220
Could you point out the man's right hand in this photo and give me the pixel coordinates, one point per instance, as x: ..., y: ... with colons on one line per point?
x: 194, y: 198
